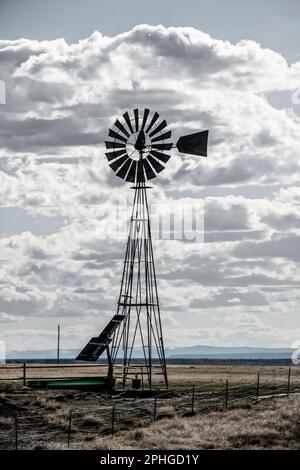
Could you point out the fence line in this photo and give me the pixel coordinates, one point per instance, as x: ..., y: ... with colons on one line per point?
x: 24, y: 367
x: 108, y: 420
x: 69, y: 425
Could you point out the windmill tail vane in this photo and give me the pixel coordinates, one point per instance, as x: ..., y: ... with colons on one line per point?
x: 137, y: 151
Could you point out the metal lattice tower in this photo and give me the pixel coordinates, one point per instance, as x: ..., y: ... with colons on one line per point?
x: 138, y: 301
x: 137, y: 154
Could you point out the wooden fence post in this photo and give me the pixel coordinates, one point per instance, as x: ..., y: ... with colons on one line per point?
x: 16, y: 432
x: 113, y: 420
x: 193, y: 398
x: 69, y: 427
x: 24, y: 374
x: 155, y: 407
x: 226, y: 394
x: 257, y: 386
x: 289, y: 381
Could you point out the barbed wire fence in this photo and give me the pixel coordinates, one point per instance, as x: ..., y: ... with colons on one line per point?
x: 70, y: 426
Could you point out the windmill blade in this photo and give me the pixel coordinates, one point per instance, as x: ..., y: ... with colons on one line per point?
x: 162, y: 146
x: 140, y: 177
x: 131, y: 173
x: 159, y: 128
x: 193, y: 144
x: 145, y: 117
x: 114, y: 145
x: 121, y: 128
x: 152, y: 122
x: 156, y: 165
x: 112, y: 155
x: 164, y: 136
x: 163, y: 157
x: 128, y: 122
x: 112, y: 133
x: 122, y: 172
x: 148, y: 169
x: 136, y: 118
x: 118, y: 163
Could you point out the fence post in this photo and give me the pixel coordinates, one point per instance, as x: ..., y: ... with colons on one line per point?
x: 226, y: 394
x: 289, y: 381
x: 257, y: 386
x: 113, y: 420
x: 193, y: 398
x: 155, y: 407
x: 16, y: 432
x: 69, y: 427
x: 24, y: 374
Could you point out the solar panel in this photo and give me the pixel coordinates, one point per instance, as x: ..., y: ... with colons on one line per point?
x: 112, y: 326
x: 97, y: 345
x: 92, y: 351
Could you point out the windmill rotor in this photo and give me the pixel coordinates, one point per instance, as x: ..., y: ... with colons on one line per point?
x: 137, y: 151
x: 140, y: 142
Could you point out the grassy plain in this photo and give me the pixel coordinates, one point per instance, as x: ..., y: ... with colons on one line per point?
x: 44, y: 416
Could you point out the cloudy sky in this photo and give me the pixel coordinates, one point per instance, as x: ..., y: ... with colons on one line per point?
x: 71, y: 68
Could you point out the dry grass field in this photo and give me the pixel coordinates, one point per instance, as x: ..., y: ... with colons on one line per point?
x: 188, y: 375
x: 80, y: 420
x: 271, y: 424
x: 179, y: 375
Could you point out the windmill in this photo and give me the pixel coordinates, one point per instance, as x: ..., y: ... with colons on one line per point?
x: 137, y: 153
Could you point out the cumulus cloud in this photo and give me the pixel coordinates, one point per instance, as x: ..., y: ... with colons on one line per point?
x: 55, y: 183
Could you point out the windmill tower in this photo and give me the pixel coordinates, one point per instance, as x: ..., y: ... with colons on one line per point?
x: 137, y: 153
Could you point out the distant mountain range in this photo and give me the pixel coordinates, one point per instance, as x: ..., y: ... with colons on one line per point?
x: 189, y: 352
x: 219, y: 352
